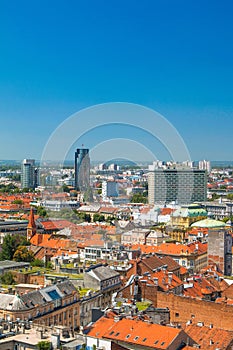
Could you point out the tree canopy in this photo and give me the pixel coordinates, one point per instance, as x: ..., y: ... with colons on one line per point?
x: 23, y: 254
x: 10, y: 245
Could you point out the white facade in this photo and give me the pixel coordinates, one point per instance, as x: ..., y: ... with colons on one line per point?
x: 205, y: 165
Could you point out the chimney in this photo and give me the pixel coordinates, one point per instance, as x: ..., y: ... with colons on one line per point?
x: 156, y: 281
x: 170, y: 276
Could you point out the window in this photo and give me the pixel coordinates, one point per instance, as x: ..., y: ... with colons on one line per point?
x: 144, y: 339
x: 163, y: 343
x: 136, y: 338
x: 117, y: 334
x: 177, y: 314
x: 156, y: 342
x: 128, y: 336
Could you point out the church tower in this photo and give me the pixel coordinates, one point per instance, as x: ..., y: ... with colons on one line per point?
x: 31, y: 228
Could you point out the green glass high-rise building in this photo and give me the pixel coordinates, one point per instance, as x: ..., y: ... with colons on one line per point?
x: 29, y: 174
x: 82, y: 169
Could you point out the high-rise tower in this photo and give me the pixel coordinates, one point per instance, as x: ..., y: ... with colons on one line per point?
x: 29, y: 174
x: 82, y: 169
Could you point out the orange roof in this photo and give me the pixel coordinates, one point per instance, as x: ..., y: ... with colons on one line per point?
x: 173, y: 249
x: 199, y: 287
x: 57, y: 224
x: 46, y: 241
x: 107, y: 210
x: 135, y: 332
x: 166, y: 211
x: 210, y: 338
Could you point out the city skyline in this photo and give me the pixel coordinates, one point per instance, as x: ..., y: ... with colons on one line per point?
x: 174, y: 58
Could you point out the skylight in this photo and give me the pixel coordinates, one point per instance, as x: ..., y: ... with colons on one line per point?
x: 54, y: 294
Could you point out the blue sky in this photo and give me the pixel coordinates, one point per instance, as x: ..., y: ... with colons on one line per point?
x: 57, y: 57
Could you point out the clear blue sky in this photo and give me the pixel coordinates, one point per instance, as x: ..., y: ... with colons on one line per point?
x: 57, y: 57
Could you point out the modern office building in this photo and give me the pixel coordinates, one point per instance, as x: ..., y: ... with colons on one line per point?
x: 29, y: 174
x: 182, y: 185
x: 110, y: 189
x: 82, y: 169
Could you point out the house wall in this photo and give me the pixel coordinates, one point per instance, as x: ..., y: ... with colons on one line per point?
x: 183, y: 309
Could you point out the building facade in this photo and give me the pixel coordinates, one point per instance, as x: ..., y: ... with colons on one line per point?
x: 220, y: 250
x: 109, y: 189
x: 183, y: 186
x: 29, y: 174
x: 52, y: 305
x: 82, y: 169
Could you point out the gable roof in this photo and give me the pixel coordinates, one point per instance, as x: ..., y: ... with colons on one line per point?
x: 135, y: 332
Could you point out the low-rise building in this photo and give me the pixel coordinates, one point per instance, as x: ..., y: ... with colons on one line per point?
x: 52, y: 305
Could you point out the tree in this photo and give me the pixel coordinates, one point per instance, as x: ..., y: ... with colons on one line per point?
x: 18, y: 201
x: 7, y: 278
x: 41, y: 211
x: 138, y: 198
x: 44, y: 345
x: 84, y: 217
x: 65, y: 188
x: 37, y: 262
x: 9, y: 246
x: 23, y: 254
x: 98, y: 217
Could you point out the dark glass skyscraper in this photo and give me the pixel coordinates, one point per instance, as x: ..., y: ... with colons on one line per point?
x: 29, y: 174
x: 82, y: 169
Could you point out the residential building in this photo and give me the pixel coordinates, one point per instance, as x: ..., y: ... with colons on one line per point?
x: 220, y: 250
x: 116, y: 333
x: 186, y: 215
x: 205, y: 165
x: 182, y: 185
x: 106, y: 282
x: 56, y: 304
x: 29, y: 174
x: 57, y: 205
x: 109, y: 189
x: 100, y: 277
x: 210, y: 338
x: 82, y: 169
x: 192, y: 256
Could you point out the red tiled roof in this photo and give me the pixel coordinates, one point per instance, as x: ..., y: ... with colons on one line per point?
x: 210, y: 338
x: 173, y: 249
x: 135, y: 332
x: 57, y: 224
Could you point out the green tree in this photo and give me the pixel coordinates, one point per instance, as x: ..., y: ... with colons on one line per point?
x: 18, y: 201
x: 98, y: 217
x: 9, y: 246
x: 41, y: 211
x: 138, y: 198
x: 37, y: 262
x: 65, y: 188
x: 43, y: 345
x: 84, y: 217
x: 23, y: 254
x: 7, y: 278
